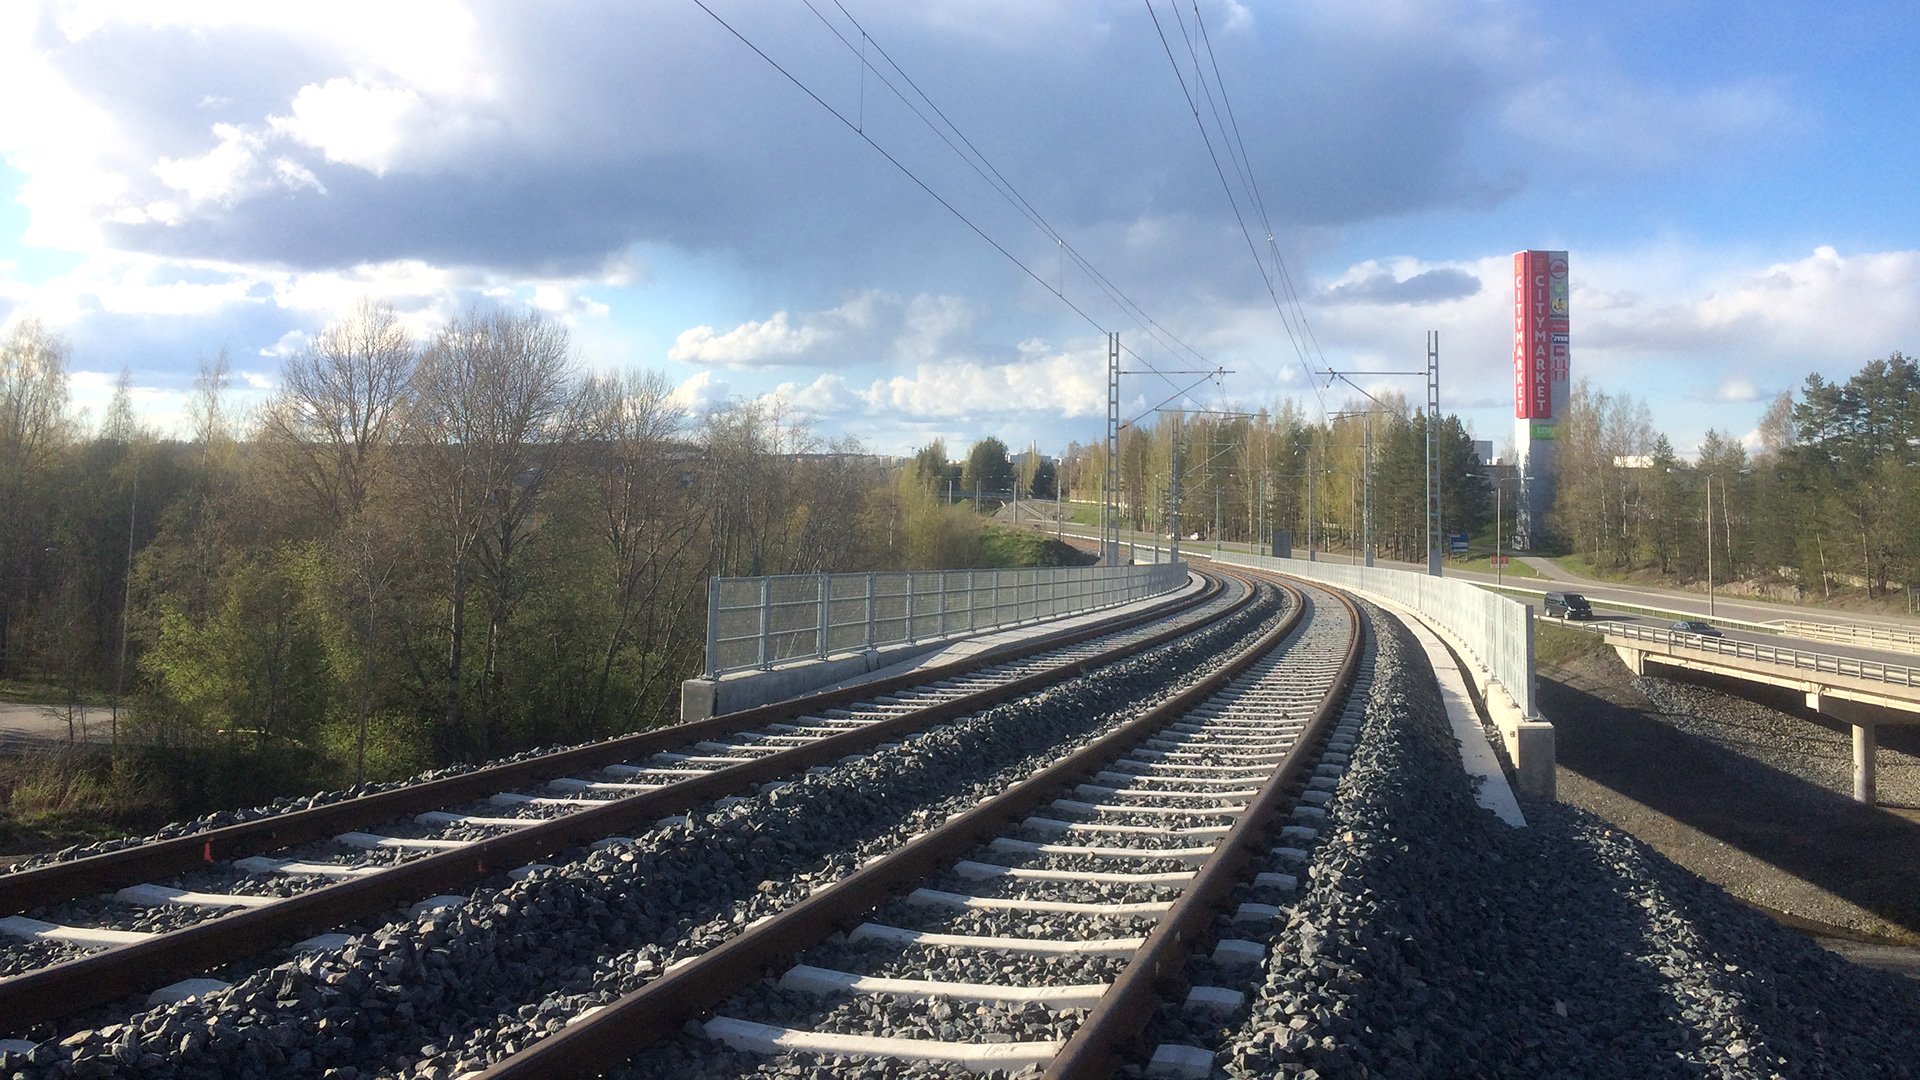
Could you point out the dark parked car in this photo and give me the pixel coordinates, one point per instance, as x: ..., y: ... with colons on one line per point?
x: 1695, y: 626
x: 1567, y: 605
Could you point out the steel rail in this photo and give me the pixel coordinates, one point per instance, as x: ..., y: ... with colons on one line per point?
x: 24, y: 890
x: 1112, y: 1029
x: 603, y: 1039
x: 64, y: 988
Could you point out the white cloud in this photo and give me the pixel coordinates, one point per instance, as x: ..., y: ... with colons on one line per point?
x: 701, y: 392
x: 1064, y: 384
x: 826, y: 397
x: 229, y: 169
x: 773, y: 340
x: 872, y: 326
x: 1739, y: 388
x: 357, y: 124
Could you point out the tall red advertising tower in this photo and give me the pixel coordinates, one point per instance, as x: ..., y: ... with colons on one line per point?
x: 1541, y: 359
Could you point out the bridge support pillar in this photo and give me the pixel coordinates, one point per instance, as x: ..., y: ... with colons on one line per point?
x: 1866, y: 740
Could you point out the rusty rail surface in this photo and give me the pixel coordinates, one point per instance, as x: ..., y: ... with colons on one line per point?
x: 67, y: 987
x: 1113, y: 1027
x: 601, y: 1041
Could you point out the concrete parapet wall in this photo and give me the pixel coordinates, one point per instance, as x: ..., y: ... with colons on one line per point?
x: 1493, y: 634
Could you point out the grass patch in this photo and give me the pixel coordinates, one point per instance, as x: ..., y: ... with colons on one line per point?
x: 45, y: 692
x: 63, y: 795
x: 1584, y: 566
x: 1559, y: 646
x: 1483, y: 564
x: 1008, y: 548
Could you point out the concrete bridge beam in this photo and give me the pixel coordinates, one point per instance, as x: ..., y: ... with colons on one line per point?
x: 1635, y: 659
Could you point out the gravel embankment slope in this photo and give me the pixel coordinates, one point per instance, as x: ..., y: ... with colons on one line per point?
x: 1430, y: 940
x: 1751, y: 797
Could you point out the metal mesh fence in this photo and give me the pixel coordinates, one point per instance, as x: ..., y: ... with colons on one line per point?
x: 763, y: 621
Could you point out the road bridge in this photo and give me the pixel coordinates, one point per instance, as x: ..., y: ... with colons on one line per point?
x: 1859, y: 692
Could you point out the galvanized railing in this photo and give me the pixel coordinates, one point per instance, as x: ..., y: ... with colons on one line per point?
x: 755, y: 623
x: 1799, y: 659
x: 1892, y: 638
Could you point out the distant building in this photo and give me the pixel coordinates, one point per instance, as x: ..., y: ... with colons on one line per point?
x: 1633, y: 461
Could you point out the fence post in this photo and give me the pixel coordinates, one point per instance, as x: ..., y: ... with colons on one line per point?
x: 766, y: 623
x: 826, y: 614
x: 713, y: 627
x: 912, y: 582
x: 870, y: 604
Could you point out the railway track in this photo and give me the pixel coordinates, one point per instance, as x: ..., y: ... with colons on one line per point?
x: 1041, y: 928
x: 96, y: 930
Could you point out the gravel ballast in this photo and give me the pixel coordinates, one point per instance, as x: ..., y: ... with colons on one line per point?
x: 439, y: 995
x: 1428, y: 939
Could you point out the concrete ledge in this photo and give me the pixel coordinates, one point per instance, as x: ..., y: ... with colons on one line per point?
x: 737, y: 690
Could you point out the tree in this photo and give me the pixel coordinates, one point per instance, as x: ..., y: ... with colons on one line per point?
x: 33, y: 427
x: 929, y: 467
x: 339, y: 408
x: 988, y: 470
x: 1046, y: 481
x: 648, y: 518
x: 496, y: 406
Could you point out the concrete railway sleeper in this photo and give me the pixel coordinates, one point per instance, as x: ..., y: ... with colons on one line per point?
x: 202, y: 900
x: 1036, y: 929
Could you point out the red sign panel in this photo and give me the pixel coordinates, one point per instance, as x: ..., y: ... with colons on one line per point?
x: 1539, y: 331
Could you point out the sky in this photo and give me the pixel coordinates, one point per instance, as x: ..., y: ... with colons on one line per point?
x: 768, y: 199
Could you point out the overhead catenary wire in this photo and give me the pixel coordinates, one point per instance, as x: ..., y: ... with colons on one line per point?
x: 1007, y: 192
x: 979, y: 162
x: 1253, y: 185
x: 1193, y: 106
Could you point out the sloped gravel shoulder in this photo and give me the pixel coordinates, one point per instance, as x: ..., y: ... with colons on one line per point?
x: 1428, y: 939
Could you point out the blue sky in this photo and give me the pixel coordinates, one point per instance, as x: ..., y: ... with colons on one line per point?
x: 1734, y: 184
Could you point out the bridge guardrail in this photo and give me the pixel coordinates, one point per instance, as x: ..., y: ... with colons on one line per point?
x: 1891, y: 637
x: 1799, y: 659
x: 757, y: 622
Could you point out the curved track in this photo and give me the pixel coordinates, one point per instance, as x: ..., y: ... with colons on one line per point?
x: 1061, y: 905
x: 212, y: 897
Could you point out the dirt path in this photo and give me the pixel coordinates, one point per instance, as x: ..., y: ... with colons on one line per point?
x: 49, y: 723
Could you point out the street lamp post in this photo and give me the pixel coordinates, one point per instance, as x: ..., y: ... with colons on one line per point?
x: 1499, y: 489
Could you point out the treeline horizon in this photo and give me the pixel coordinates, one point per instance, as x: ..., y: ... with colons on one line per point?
x: 419, y: 552
x: 415, y: 552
